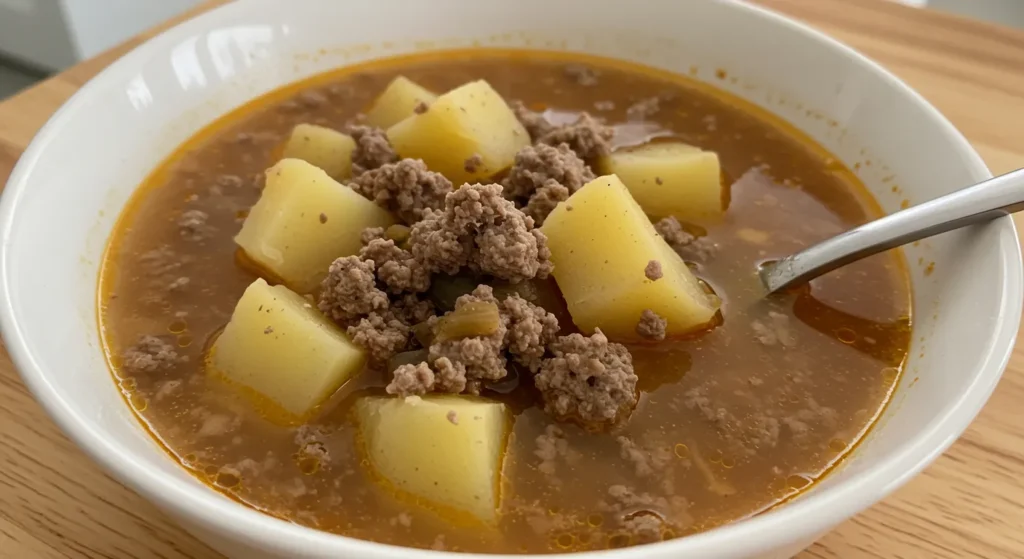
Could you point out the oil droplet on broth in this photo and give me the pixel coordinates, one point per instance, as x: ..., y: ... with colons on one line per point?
x: 846, y: 335
x: 211, y: 470
x: 889, y: 374
x: 129, y: 384
x: 837, y: 445
x: 728, y: 462
x: 595, y: 520
x: 309, y: 466
x: 565, y: 541
x: 681, y: 450
x: 184, y: 340
x: 618, y: 541
x: 176, y: 327
x: 139, y: 402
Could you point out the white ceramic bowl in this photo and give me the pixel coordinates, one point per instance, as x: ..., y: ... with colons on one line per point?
x: 67, y: 190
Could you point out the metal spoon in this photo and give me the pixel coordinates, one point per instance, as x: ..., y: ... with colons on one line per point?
x: 994, y: 198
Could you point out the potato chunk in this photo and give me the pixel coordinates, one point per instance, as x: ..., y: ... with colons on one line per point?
x: 397, y: 102
x: 303, y: 221
x: 322, y: 147
x: 280, y: 346
x: 467, y: 121
x: 601, y: 248
x: 444, y: 451
x: 671, y: 179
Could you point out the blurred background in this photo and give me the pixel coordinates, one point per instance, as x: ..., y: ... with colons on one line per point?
x: 40, y: 37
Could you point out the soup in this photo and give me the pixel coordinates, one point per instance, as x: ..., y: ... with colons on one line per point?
x: 525, y: 318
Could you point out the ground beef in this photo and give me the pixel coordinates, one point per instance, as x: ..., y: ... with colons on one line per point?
x: 587, y: 137
x: 396, y: 267
x: 686, y: 245
x: 409, y: 380
x: 160, y: 261
x: 582, y: 74
x: 644, y: 517
x: 382, y: 334
x: 372, y: 149
x: 649, y: 463
x: 406, y: 188
x: 480, y: 229
x: 651, y: 326
x: 537, y: 166
x: 644, y: 109
x: 530, y: 329
x: 371, y: 233
x: 534, y: 123
x: 544, y: 201
x: 149, y: 355
x: 463, y: 364
x: 653, y: 271
x: 588, y: 380
x: 193, y: 226
x: 775, y: 331
x: 410, y: 309
x: 473, y: 163
x: 310, y: 441
x: 179, y: 284
x: 350, y: 290
x: 552, y: 448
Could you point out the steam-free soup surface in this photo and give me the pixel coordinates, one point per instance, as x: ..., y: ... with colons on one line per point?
x: 731, y: 420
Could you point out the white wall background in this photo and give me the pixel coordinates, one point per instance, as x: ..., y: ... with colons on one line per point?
x: 53, y: 34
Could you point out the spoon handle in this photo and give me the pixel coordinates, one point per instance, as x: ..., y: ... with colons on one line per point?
x: 996, y: 197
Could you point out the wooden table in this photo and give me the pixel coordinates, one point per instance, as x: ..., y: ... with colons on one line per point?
x: 970, y: 503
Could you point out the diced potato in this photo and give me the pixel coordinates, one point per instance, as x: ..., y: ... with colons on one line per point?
x: 601, y: 247
x: 279, y: 345
x: 469, y: 120
x: 444, y: 451
x: 670, y: 179
x: 397, y: 102
x: 303, y: 221
x: 322, y: 147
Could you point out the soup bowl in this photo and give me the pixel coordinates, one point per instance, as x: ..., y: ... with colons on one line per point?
x: 64, y: 197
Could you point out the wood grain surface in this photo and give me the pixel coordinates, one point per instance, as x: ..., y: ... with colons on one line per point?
x: 970, y: 504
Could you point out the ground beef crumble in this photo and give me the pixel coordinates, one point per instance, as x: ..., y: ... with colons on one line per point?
x: 553, y: 448
x: 545, y: 200
x: 589, y: 380
x: 463, y: 365
x: 775, y: 331
x: 406, y: 188
x: 193, y: 225
x: 534, y: 123
x: 481, y: 230
x: 582, y: 74
x: 535, y: 166
x: 653, y: 271
x: 645, y: 517
x: 687, y: 246
x: 149, y: 355
x: 587, y: 137
x: 372, y: 149
x: 396, y: 267
x: 473, y: 163
x: 651, y: 326
x: 350, y: 290
x: 381, y: 334
x: 644, y: 109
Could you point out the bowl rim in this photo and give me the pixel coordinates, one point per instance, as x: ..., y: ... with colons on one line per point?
x: 804, y: 519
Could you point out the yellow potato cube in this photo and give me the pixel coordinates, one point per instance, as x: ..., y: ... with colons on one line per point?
x: 279, y: 345
x: 397, y: 102
x: 601, y: 242
x: 670, y: 179
x: 322, y: 147
x: 467, y: 121
x: 303, y: 221
x: 444, y: 451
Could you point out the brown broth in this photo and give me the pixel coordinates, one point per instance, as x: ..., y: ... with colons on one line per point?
x: 730, y: 425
